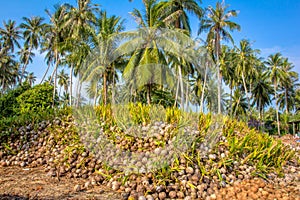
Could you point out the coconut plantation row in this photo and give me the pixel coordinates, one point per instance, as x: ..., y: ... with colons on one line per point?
x: 150, y: 113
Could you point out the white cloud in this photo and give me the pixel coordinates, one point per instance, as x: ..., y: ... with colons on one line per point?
x: 292, y: 53
x: 265, y: 52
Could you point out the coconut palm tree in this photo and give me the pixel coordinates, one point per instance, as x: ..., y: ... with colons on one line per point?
x: 30, y: 78
x: 211, y: 96
x: 239, y: 103
x: 9, y: 71
x: 54, y: 41
x: 246, y: 62
x: 79, y: 21
x: 25, y: 56
x: 100, y: 62
x: 32, y: 32
x: 155, y: 47
x: 228, y: 70
x: 276, y: 74
x: 144, y: 53
x: 63, y: 81
x: 75, y: 60
x: 296, y: 106
x: 176, y: 12
x: 217, y: 23
x: 288, y: 85
x: 10, y: 35
x: 262, y: 92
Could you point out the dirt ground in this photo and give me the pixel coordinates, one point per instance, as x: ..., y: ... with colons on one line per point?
x: 33, y: 183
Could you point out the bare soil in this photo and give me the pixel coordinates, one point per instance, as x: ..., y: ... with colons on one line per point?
x: 33, y: 183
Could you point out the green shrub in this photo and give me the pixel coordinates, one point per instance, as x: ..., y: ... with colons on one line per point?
x: 36, y: 99
x: 173, y: 115
x: 104, y: 112
x: 8, y: 102
x: 260, y: 149
x: 139, y: 113
x: 204, y: 122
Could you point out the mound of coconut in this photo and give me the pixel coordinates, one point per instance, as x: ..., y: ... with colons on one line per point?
x: 203, y: 171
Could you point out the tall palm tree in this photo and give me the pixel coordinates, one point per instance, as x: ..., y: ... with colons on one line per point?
x: 156, y: 47
x: 25, y: 56
x: 239, y: 103
x: 176, y: 12
x: 296, y: 106
x: 199, y: 82
x: 75, y: 60
x: 9, y: 71
x: 54, y: 41
x: 217, y: 22
x: 30, y: 78
x: 10, y: 35
x: 288, y: 85
x: 276, y: 74
x: 33, y: 28
x: 100, y: 61
x: 246, y: 62
x: 148, y: 23
x: 79, y: 21
x: 262, y: 91
x: 228, y: 70
x: 63, y: 81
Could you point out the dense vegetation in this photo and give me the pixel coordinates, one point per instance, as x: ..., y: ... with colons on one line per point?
x: 245, y: 84
x: 158, y: 81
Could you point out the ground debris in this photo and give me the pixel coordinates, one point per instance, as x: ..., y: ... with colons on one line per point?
x: 33, y: 183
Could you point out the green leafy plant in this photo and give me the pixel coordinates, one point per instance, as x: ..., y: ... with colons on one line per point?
x: 36, y: 99
x: 104, y: 112
x: 139, y: 113
x: 173, y: 115
x: 259, y: 149
x: 8, y: 102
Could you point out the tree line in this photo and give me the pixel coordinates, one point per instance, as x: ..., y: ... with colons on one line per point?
x: 84, y: 38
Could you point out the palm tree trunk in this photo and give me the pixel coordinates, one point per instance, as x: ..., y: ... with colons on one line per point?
x: 45, y: 74
x: 217, y: 46
x: 71, y: 84
x: 113, y: 88
x: 277, y: 112
x: 105, y: 88
x: 203, y: 88
x: 187, y: 94
x: 250, y: 97
x: 54, y: 88
x: 246, y: 90
x: 26, y: 63
x: 96, y: 95
x: 237, y: 106
x: 79, y: 94
x: 176, y: 95
x: 260, y: 112
x: 78, y: 90
x: 55, y: 76
x: 231, y: 109
x: 149, y: 94
x: 286, y: 101
x: 263, y: 116
x: 181, y: 88
x: 60, y: 90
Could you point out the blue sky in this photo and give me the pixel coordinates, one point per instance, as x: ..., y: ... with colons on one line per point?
x: 272, y: 25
